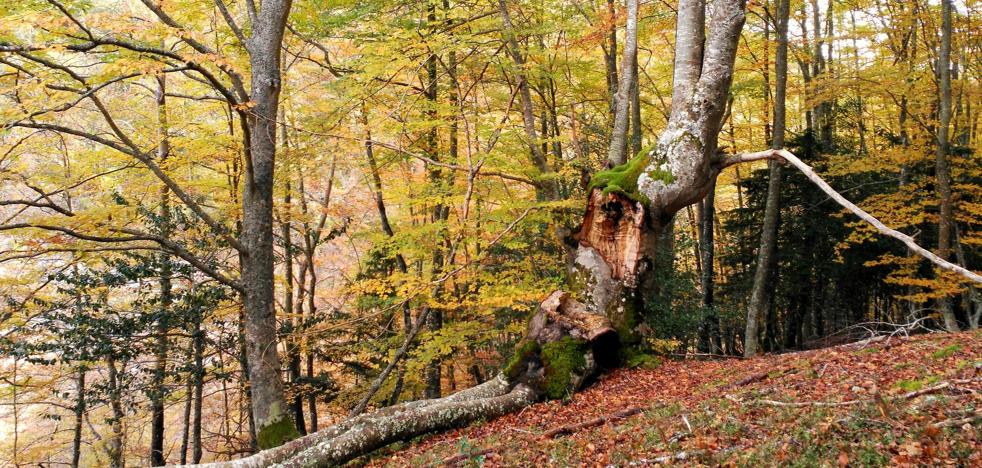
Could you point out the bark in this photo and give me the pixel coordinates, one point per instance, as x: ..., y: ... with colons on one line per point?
x: 545, y: 186
x: 198, y: 346
x: 617, y: 152
x: 610, y: 57
x: 760, y: 296
x: 114, y: 449
x: 79, y: 414
x: 942, y: 169
x: 269, y: 407
x: 166, y: 295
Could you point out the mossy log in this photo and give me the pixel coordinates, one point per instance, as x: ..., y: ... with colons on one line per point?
x: 563, y: 348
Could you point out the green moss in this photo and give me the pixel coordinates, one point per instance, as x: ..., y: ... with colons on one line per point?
x: 561, y: 360
x: 277, y: 433
x: 946, y: 352
x: 524, y: 351
x: 635, y: 358
x: 623, y: 179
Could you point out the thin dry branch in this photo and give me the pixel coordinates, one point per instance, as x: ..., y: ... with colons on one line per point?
x: 801, y: 404
x: 824, y: 186
x: 571, y: 428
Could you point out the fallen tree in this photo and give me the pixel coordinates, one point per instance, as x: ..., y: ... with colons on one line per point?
x: 579, y: 332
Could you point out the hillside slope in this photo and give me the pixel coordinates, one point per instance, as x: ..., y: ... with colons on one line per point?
x: 906, y: 401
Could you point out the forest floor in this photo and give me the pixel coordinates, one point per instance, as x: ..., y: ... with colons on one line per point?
x: 915, y: 401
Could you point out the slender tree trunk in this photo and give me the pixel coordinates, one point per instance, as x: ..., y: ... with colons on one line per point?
x: 617, y: 152
x: 942, y: 169
x: 293, y: 342
x: 157, y: 390
x: 760, y: 296
x: 244, y: 382
x: 186, y: 426
x: 198, y: 345
x: 440, y: 211
x: 710, y: 327
x: 610, y: 59
x: 79, y: 414
x: 546, y: 188
x: 636, y: 126
x: 274, y: 425
x: 115, y: 447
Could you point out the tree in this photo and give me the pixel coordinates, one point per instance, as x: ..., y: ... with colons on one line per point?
x: 942, y: 169
x: 763, y: 284
x: 257, y: 111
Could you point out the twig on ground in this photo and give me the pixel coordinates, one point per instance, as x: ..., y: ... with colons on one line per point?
x: 958, y: 422
x: 571, y: 428
x: 906, y: 396
x: 454, y: 460
x: 705, y: 355
x: 757, y: 378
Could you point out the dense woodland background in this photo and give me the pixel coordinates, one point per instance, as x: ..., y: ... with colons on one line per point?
x: 421, y: 200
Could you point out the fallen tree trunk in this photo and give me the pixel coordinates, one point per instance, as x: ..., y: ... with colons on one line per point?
x: 561, y: 351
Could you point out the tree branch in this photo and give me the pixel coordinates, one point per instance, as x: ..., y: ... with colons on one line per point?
x: 147, y: 161
x: 884, y: 229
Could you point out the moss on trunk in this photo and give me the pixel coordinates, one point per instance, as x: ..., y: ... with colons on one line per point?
x: 562, y: 361
x: 277, y: 433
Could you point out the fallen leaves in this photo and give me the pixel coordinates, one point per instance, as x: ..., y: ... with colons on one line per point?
x: 676, y: 413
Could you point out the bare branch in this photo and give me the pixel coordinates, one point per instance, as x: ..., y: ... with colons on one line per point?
x: 884, y: 229
x: 147, y: 161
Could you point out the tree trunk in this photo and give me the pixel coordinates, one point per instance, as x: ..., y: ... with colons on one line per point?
x: 617, y: 152
x: 610, y: 58
x: 186, y: 426
x: 274, y: 425
x: 166, y: 295
x: 760, y: 296
x: 293, y: 342
x: 115, y: 447
x: 942, y: 169
x: 710, y: 332
x: 79, y: 414
x: 434, y: 321
x: 198, y: 346
x: 545, y: 187
x: 636, y: 127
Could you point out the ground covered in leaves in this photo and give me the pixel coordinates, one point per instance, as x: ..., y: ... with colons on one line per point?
x: 915, y: 401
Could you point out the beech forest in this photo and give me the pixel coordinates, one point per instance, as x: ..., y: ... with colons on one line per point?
x: 310, y: 233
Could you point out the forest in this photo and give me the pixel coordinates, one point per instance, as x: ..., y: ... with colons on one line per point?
x: 325, y: 232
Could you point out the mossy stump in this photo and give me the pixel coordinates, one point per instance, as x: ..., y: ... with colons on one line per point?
x: 559, y: 354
